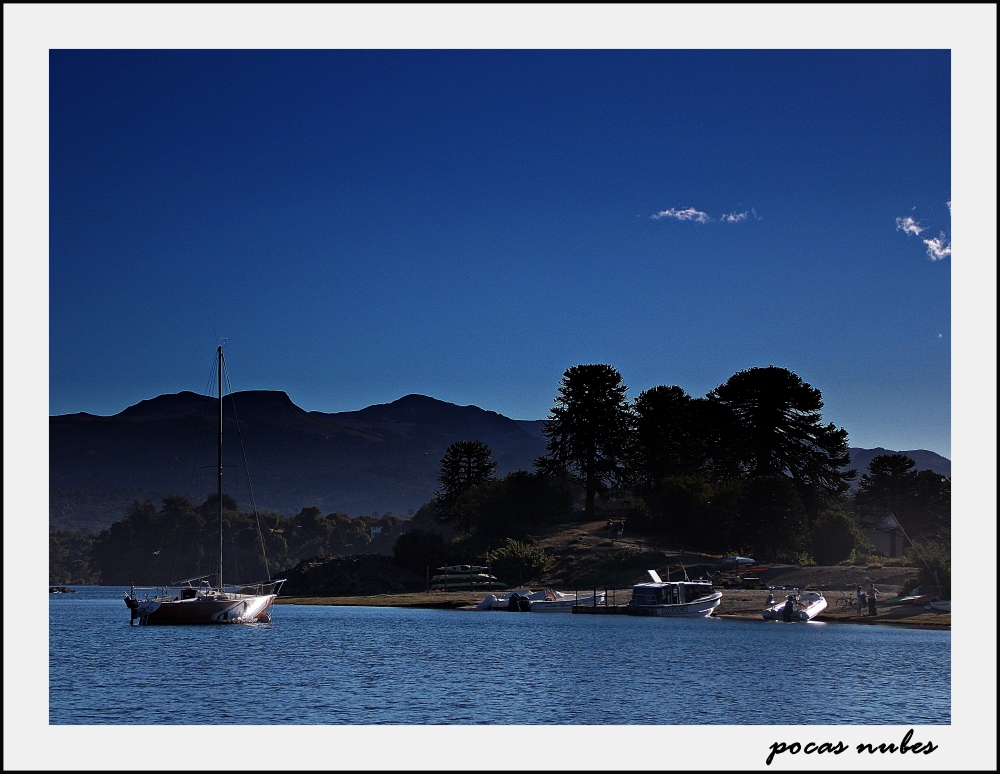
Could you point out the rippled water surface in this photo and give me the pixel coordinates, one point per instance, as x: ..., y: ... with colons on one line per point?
x: 342, y: 665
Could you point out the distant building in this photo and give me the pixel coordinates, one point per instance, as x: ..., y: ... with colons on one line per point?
x: 887, y: 537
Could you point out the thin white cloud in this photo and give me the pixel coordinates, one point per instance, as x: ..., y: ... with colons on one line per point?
x: 949, y: 207
x: 938, y: 248
x: 909, y: 226
x: 687, y: 214
x: 736, y: 217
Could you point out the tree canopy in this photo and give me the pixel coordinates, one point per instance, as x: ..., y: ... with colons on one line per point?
x: 589, y: 428
x: 782, y: 432
x: 464, y: 466
x: 665, y: 435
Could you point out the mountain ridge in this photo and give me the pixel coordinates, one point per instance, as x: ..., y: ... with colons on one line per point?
x: 381, y: 458
x: 384, y: 457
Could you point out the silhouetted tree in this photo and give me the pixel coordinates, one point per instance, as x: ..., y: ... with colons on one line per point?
x: 465, y: 465
x: 664, y: 435
x: 771, y: 519
x: 517, y: 504
x: 589, y: 429
x: 781, y: 432
x: 920, y: 501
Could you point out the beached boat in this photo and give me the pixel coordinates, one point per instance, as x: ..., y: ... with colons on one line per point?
x: 688, y: 599
x: 541, y: 601
x: 804, y: 607
x: 464, y: 577
x: 940, y: 605
x: 196, y: 600
x: 735, y: 562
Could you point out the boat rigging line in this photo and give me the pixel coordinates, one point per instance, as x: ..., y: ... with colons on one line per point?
x: 246, y: 467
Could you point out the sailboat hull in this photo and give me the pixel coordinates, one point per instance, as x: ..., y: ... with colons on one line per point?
x: 207, y: 604
x: 230, y: 608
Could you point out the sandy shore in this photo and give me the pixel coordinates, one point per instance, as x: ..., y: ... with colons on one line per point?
x: 735, y: 603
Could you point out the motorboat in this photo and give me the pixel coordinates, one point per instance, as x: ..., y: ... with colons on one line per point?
x: 804, y: 607
x: 940, y: 605
x: 541, y: 601
x: 196, y: 600
x: 687, y: 599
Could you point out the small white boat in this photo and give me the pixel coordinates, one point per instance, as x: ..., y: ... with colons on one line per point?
x: 688, y: 599
x: 804, y: 607
x: 542, y: 601
x: 940, y: 605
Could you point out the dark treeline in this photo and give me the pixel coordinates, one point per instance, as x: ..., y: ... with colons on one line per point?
x: 180, y: 540
x: 750, y: 468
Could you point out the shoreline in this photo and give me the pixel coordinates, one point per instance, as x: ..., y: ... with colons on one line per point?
x: 738, y: 605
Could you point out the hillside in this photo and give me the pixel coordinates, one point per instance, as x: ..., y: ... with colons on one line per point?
x: 585, y: 558
x: 381, y: 458
x: 923, y: 459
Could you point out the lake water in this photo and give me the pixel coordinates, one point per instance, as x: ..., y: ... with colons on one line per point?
x: 356, y: 665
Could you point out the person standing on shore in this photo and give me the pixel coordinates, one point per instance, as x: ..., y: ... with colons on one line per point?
x: 872, y: 596
x: 861, y: 601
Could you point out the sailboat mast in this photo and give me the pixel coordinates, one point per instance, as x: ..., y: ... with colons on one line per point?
x: 220, y: 468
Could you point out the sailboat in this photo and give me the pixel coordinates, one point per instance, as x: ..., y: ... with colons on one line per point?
x: 197, y: 600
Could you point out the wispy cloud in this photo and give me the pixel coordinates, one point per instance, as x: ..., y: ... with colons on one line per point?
x: 909, y: 226
x: 736, y: 217
x: 938, y: 248
x: 687, y: 214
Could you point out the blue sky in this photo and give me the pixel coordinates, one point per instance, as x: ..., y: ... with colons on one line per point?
x: 468, y: 224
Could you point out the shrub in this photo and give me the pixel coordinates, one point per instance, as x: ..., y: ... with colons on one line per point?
x: 909, y: 584
x: 934, y: 562
x: 834, y: 537
x: 801, y: 558
x: 518, y: 560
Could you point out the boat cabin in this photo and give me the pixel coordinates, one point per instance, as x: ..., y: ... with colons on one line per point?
x: 670, y: 593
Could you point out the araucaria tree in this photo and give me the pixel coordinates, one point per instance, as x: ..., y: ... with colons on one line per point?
x: 588, y: 430
x: 920, y: 501
x: 665, y: 435
x: 465, y: 465
x: 783, y: 433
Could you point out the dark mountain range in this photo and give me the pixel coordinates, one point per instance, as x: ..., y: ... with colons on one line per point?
x: 381, y: 458
x: 923, y: 459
